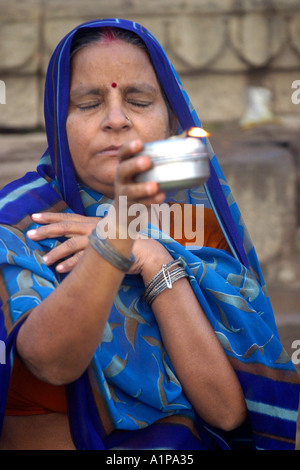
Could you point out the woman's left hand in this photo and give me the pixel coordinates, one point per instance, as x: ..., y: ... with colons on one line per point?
x: 76, y: 228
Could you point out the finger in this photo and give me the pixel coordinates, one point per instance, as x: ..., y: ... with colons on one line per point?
x: 66, y: 249
x: 129, y: 149
x: 66, y: 228
x: 158, y: 198
x: 67, y: 265
x: 139, y: 191
x: 52, y: 217
x: 130, y: 168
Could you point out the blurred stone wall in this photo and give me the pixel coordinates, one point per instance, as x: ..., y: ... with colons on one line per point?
x: 220, y: 48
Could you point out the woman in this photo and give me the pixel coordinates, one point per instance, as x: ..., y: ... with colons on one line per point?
x: 117, y: 359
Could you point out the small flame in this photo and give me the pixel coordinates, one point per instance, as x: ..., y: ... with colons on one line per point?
x: 197, y: 132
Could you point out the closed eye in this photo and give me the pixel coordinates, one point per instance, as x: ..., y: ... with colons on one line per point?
x: 139, y: 104
x: 88, y: 106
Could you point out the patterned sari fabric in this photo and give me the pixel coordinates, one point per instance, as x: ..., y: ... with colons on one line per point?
x: 130, y: 397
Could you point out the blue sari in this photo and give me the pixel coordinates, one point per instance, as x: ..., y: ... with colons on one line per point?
x: 118, y: 403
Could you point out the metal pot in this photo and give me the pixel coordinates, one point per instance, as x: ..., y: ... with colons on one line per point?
x: 178, y: 163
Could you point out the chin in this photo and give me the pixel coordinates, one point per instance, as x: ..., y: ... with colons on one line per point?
x: 107, y: 190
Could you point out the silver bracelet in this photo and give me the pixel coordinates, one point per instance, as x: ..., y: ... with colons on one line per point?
x: 159, y: 275
x: 108, y: 252
x: 158, y: 289
x: 163, y: 280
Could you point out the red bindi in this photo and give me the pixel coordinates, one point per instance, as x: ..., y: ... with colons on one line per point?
x: 114, y: 85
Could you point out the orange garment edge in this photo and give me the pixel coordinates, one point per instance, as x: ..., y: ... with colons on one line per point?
x: 28, y: 395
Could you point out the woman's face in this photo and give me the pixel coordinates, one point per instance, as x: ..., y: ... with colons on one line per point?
x: 111, y: 82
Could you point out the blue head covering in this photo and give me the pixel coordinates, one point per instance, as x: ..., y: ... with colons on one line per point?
x: 229, y: 288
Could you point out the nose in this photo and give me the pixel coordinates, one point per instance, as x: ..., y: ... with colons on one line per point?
x: 116, y: 119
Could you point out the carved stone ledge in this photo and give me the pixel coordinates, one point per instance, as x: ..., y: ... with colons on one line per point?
x: 193, y: 41
x: 295, y: 33
x: 257, y: 38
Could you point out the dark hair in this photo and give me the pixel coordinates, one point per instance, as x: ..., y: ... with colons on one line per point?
x: 85, y: 36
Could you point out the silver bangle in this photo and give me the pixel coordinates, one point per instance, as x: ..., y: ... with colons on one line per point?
x: 164, y: 279
x: 108, y: 252
x: 158, y: 289
x: 159, y: 274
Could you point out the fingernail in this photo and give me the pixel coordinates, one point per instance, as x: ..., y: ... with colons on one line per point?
x: 59, y: 267
x: 31, y: 233
x: 45, y: 258
x: 36, y: 216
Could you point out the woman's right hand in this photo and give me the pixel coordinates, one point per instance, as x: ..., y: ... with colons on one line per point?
x: 144, y: 194
x: 130, y: 165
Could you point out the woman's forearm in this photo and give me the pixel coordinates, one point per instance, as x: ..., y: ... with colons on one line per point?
x: 60, y: 336
x: 197, y: 356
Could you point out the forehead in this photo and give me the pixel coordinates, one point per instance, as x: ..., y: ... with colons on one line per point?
x: 112, y: 61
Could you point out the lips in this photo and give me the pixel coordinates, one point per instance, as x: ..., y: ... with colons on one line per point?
x: 111, y: 151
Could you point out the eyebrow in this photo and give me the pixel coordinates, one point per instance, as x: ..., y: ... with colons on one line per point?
x: 142, y: 87
x: 84, y: 91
